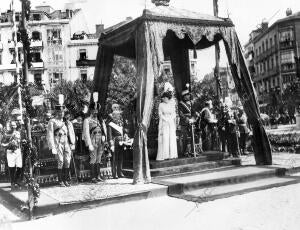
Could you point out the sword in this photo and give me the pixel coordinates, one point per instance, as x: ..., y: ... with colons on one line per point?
x: 193, y: 140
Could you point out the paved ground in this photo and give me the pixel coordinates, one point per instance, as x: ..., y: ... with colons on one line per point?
x: 289, y: 160
x: 273, y: 209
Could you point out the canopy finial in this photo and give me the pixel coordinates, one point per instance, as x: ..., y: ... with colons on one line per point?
x: 161, y: 2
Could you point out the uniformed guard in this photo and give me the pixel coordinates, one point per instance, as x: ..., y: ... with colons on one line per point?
x: 115, y: 136
x: 94, y: 135
x: 57, y: 137
x: 185, y: 115
x: 207, y: 123
x: 14, y: 155
x: 243, y: 129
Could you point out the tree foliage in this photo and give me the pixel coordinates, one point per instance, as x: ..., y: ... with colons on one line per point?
x: 77, y: 95
x: 203, y: 91
x: 122, y: 86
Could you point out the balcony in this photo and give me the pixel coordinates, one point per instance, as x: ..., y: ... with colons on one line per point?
x: 270, y: 51
x: 54, y: 41
x: 8, y: 67
x: 85, y: 62
x: 36, y: 44
x: 288, y: 67
x: 37, y: 65
x: 287, y: 44
x: 11, y: 45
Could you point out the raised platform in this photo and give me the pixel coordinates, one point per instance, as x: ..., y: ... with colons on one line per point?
x: 55, y: 200
x: 225, y: 182
x: 207, y: 160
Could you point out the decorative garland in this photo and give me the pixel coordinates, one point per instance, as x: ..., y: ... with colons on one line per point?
x: 31, y: 157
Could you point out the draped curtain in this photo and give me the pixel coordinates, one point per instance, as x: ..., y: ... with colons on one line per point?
x: 247, y: 95
x: 149, y: 54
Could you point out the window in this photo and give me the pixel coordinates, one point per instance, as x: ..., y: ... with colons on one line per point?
x: 36, y: 17
x: 287, y: 56
x: 259, y: 50
x: 271, y: 42
x: 286, y: 35
x: 267, y: 45
x: 56, y: 77
x: 0, y: 58
x: 256, y: 52
x: 36, y: 57
x: 53, y: 36
x: 82, y: 54
x: 15, y: 77
x: 272, y: 63
x: 275, y: 39
x: 36, y: 35
x: 263, y: 47
x: 17, y: 18
x: 37, y: 79
x: 83, y: 75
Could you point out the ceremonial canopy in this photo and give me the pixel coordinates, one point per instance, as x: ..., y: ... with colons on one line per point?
x: 168, y: 32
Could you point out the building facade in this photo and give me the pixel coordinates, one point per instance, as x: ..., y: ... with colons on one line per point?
x: 59, y: 40
x: 270, y: 54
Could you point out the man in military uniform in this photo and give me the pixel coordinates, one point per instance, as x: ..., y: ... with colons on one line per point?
x: 115, y: 137
x: 206, y: 125
x: 94, y: 136
x: 14, y: 156
x: 185, y: 115
x: 243, y: 129
x: 57, y: 137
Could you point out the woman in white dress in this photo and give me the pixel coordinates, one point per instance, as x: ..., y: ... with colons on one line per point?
x: 167, y: 145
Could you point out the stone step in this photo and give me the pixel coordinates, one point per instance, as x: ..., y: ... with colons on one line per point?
x: 217, y: 192
x: 178, y: 185
x: 186, y: 168
x: 206, y: 156
x: 177, y: 162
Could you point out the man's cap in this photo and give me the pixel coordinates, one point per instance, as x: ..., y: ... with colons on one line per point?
x: 60, y: 108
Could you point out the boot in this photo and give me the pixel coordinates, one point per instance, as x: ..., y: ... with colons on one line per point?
x: 93, y: 174
x: 60, y: 176
x: 98, y: 174
x: 120, y: 165
x: 66, y: 177
x: 12, y: 172
x: 18, y: 180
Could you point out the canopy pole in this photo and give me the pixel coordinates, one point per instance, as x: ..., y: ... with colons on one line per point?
x: 17, y: 59
x: 217, y: 57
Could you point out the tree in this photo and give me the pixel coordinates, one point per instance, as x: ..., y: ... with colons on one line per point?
x: 77, y: 95
x: 122, y: 86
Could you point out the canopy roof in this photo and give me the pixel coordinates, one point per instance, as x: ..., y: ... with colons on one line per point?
x: 169, y: 32
x: 180, y: 21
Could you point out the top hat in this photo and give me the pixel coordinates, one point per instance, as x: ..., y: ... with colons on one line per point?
x: 60, y: 106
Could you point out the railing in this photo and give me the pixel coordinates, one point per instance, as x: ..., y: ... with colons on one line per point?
x: 288, y: 67
x: 54, y: 41
x: 39, y: 64
x: 8, y: 67
x: 36, y: 43
x: 286, y: 44
x: 85, y: 62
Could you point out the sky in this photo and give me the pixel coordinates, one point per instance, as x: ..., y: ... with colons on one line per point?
x: 245, y: 14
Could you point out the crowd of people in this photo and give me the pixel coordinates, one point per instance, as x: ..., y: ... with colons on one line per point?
x: 208, y: 129
x: 98, y: 134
